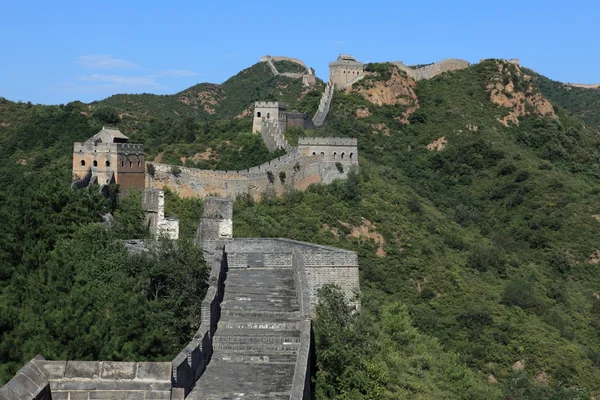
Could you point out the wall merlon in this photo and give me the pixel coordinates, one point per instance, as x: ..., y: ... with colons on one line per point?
x: 327, y: 141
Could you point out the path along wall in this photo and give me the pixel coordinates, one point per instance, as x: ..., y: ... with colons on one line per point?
x: 430, y: 71
x: 291, y: 171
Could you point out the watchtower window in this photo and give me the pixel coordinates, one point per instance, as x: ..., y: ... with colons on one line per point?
x: 322, y: 153
x: 342, y: 157
x: 83, y: 163
x: 334, y: 155
x: 122, y: 163
x: 107, y: 163
x: 314, y: 154
x: 268, y: 115
x: 258, y: 114
x: 139, y: 163
x: 130, y: 164
x: 351, y: 154
x: 95, y: 163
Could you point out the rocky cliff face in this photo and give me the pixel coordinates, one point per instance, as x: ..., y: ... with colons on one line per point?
x: 513, y: 89
x: 398, y: 88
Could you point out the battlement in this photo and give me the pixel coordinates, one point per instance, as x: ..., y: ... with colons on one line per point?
x: 130, y: 147
x: 270, y: 104
x: 327, y: 141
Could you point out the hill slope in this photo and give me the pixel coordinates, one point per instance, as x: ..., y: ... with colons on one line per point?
x: 485, y: 229
x: 211, y: 101
x: 475, y: 216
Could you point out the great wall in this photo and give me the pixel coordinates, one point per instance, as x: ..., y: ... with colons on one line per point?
x: 254, y: 340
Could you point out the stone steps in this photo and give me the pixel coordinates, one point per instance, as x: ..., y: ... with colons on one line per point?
x: 262, y: 347
x: 283, y: 294
x: 256, y: 357
x: 259, y: 314
x: 255, y: 346
x: 248, y: 380
x: 242, y: 396
x: 275, y: 326
x: 274, y: 339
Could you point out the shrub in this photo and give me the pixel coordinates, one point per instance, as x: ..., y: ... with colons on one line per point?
x: 519, y: 292
x: 151, y: 169
x: 506, y: 168
x: 484, y: 258
x: 106, y: 114
x: 176, y: 171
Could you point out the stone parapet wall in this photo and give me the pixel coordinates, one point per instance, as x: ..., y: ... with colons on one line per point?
x: 308, y: 77
x: 432, y: 70
x: 189, y: 365
x: 300, y: 172
x: 344, y: 277
x: 108, y: 379
x: 324, y: 105
x: 42, y: 379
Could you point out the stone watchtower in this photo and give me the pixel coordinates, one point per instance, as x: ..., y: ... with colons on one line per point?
x: 270, y: 112
x: 216, y: 221
x: 108, y: 158
x: 344, y: 70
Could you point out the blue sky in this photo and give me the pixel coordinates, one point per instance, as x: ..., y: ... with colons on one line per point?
x: 54, y: 52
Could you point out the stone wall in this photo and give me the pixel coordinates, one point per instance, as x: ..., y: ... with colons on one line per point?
x: 324, y: 105
x: 432, y: 70
x: 322, y: 265
x: 216, y: 221
x: 295, y: 171
x: 41, y: 379
x: 308, y: 77
x: 584, y: 85
x: 333, y: 150
x: 122, y: 161
x: 153, y: 202
x: 344, y: 70
x: 189, y: 365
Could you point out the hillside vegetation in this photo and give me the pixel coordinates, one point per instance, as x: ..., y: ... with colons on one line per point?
x: 475, y: 215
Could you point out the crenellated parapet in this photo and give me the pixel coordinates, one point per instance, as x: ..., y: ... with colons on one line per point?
x: 111, y: 159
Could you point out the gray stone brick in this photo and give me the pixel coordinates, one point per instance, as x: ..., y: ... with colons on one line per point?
x: 154, y: 371
x: 52, y: 369
x: 118, y: 370
x: 83, y: 369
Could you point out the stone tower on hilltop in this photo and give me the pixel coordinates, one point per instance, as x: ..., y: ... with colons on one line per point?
x: 107, y: 158
x: 269, y: 112
x: 345, y: 70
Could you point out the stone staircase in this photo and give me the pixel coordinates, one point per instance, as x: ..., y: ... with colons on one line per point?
x: 325, y: 103
x: 274, y: 138
x: 256, y: 343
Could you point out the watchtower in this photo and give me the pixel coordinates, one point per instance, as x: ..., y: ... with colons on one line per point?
x: 345, y: 70
x: 216, y: 221
x: 272, y: 112
x: 111, y: 159
x: 331, y: 149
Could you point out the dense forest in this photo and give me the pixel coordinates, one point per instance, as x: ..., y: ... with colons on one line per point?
x: 476, y: 224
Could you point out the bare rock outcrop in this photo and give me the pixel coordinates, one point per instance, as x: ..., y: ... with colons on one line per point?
x: 398, y: 89
x: 513, y: 89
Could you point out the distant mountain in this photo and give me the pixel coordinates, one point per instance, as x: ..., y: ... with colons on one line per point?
x: 233, y: 98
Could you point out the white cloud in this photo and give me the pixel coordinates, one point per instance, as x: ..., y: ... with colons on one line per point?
x: 179, y: 73
x: 104, y: 62
x: 120, y: 80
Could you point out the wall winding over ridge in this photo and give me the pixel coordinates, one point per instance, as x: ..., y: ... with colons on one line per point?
x: 432, y: 70
x: 293, y: 170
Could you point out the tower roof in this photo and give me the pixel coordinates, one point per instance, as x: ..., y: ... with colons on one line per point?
x: 346, y: 57
x: 109, y: 135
